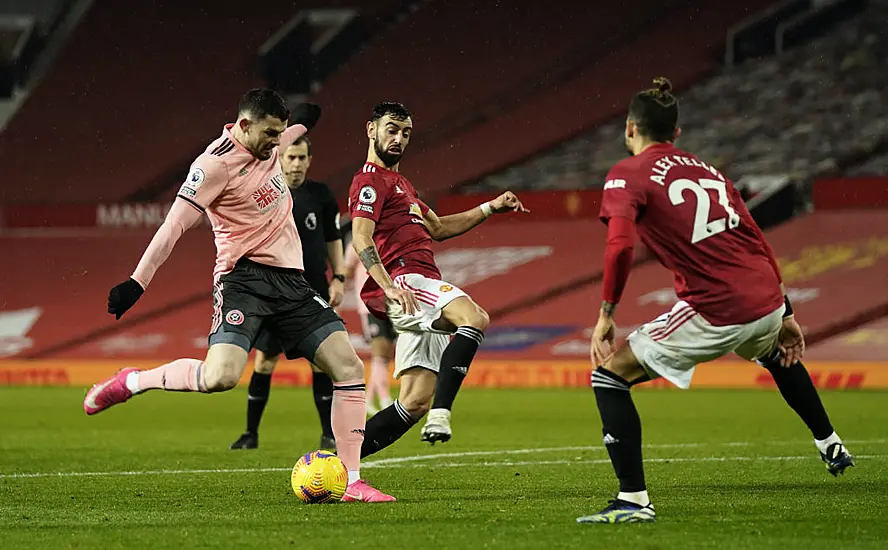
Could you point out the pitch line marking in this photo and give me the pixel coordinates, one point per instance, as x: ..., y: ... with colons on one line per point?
x: 405, y: 461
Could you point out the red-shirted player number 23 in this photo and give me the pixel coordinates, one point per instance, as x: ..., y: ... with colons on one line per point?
x: 703, y: 228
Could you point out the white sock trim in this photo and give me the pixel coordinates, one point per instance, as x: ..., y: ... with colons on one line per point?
x: 641, y: 497
x: 132, y: 382
x: 443, y: 414
x: 823, y: 444
x: 353, y: 475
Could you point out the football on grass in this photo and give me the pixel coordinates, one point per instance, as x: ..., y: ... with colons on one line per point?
x: 319, y: 477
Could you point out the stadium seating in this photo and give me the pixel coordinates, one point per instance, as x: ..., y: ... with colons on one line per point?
x: 512, y: 126
x: 874, y: 166
x: 111, y: 133
x: 799, y: 114
x: 131, y: 97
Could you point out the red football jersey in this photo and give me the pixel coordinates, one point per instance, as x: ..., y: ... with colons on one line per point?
x: 401, y: 236
x: 694, y: 221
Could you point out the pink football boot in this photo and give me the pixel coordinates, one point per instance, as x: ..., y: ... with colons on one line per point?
x: 110, y: 392
x: 360, y: 491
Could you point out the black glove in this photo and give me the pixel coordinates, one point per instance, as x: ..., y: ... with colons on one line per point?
x: 306, y: 114
x: 124, y: 296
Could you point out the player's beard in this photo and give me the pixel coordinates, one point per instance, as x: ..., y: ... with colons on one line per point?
x: 629, y: 148
x: 387, y: 158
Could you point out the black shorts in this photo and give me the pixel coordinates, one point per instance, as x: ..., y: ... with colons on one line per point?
x: 253, y: 298
x: 268, y: 344
x: 378, y: 328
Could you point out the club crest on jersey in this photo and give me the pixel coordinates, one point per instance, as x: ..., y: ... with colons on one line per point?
x: 367, y: 195
x: 445, y: 288
x: 234, y: 317
x: 311, y: 221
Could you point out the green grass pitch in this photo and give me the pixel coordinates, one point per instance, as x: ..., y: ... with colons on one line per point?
x: 727, y: 469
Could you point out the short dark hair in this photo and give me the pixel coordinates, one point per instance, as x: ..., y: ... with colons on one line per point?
x: 300, y: 140
x: 655, y: 111
x: 262, y: 102
x: 391, y: 108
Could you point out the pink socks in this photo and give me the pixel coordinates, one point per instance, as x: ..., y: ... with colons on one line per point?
x: 348, y: 418
x: 180, y: 375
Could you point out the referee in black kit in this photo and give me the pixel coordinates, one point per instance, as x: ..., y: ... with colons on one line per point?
x: 317, y: 219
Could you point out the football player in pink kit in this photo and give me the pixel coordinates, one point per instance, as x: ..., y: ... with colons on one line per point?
x: 392, y: 232
x: 379, y: 333
x: 258, y: 284
x: 732, y: 298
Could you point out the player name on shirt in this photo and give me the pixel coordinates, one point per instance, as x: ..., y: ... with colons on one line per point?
x: 663, y: 165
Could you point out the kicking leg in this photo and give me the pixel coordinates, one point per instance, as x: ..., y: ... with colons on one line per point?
x: 389, y: 424
x: 621, y: 426
x: 220, y: 371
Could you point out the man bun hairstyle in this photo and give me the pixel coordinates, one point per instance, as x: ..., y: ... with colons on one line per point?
x: 655, y: 111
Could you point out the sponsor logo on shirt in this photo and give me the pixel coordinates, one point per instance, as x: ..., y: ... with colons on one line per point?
x: 415, y: 210
x: 446, y: 288
x: 614, y: 184
x: 365, y: 208
x: 367, y: 195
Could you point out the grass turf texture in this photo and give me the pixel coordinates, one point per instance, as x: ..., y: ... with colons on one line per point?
x: 710, y: 482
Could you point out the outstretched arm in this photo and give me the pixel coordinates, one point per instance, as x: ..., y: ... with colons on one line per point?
x: 454, y: 225
x: 206, y: 181
x: 181, y: 217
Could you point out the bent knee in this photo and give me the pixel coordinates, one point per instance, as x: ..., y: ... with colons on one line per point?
x: 416, y: 407
x: 222, y: 377
x: 478, y: 319
x: 267, y: 365
x: 416, y: 403
x: 474, y: 317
